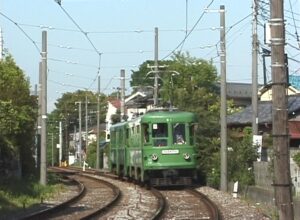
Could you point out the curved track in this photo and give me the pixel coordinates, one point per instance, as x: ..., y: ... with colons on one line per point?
x: 189, y: 204
x: 87, y: 203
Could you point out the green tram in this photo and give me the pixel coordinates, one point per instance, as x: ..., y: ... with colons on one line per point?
x: 157, y: 148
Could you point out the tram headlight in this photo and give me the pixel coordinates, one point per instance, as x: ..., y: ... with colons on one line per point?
x: 186, y: 156
x: 154, y: 157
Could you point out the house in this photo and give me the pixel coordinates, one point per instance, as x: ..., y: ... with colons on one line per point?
x: 112, y: 108
x: 265, y: 92
x: 240, y: 93
x: 244, y: 118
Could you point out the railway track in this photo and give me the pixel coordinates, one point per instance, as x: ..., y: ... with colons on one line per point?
x: 189, y: 204
x: 86, y: 203
x: 107, y: 197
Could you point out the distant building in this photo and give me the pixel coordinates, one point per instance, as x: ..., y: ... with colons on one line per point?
x: 265, y: 92
x: 113, y: 107
x: 240, y: 93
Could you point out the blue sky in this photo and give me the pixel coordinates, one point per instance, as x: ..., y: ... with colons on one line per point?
x: 123, y: 32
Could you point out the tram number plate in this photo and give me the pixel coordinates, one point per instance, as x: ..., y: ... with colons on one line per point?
x: 170, y: 151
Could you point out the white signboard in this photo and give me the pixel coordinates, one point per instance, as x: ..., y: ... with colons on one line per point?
x: 257, y: 142
x: 170, y: 151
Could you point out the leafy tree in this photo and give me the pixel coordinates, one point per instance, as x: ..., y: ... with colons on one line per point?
x: 67, y: 111
x: 296, y: 158
x: 92, y: 152
x: 241, y: 156
x: 143, y: 76
x: 17, y: 118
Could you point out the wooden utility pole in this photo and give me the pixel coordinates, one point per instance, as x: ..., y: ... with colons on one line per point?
x: 223, y: 109
x: 282, y: 177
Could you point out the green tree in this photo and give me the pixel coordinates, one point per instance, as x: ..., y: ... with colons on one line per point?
x: 67, y: 111
x: 18, y: 113
x: 241, y: 156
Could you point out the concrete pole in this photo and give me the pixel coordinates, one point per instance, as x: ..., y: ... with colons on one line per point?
x: 80, y: 141
x: 52, y: 150
x: 155, y: 95
x: 43, y: 171
x: 122, y: 86
x: 39, y: 120
x: 86, y: 125
x: 1, y: 44
x: 223, y: 110
x: 254, y: 70
x: 60, y: 143
x: 98, y: 158
x: 282, y: 175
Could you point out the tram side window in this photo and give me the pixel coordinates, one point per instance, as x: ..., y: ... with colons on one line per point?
x: 145, y: 128
x: 160, y: 134
x: 193, y: 128
x: 179, y: 136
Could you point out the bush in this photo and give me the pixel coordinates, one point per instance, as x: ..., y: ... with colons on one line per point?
x: 296, y: 158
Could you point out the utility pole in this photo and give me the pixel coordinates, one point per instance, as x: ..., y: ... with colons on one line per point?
x: 60, y: 143
x: 223, y: 109
x: 1, y: 45
x: 43, y: 171
x: 39, y: 120
x: 282, y: 177
x: 52, y: 150
x: 122, y: 74
x: 254, y: 70
x: 155, y: 97
x: 99, y: 163
x: 80, y: 144
x: 86, y: 124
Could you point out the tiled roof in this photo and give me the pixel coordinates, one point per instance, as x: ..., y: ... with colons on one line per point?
x: 116, y: 103
x: 264, y: 112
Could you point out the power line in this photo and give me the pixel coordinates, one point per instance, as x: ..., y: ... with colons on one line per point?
x: 296, y: 33
x: 21, y: 29
x: 189, y: 33
x: 86, y: 36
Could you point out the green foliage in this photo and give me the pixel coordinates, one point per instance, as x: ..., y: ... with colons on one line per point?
x: 115, y: 118
x: 296, y: 158
x: 92, y: 152
x: 67, y: 111
x: 18, y: 113
x: 241, y: 156
x: 16, y: 194
x: 92, y: 155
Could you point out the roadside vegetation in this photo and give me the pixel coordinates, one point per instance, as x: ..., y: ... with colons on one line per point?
x: 17, y: 195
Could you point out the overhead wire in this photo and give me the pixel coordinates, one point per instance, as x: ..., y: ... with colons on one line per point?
x: 22, y: 30
x: 189, y: 33
x: 296, y: 33
x: 86, y: 36
x: 227, y: 31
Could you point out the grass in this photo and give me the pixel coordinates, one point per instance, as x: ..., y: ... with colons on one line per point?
x: 19, y: 194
